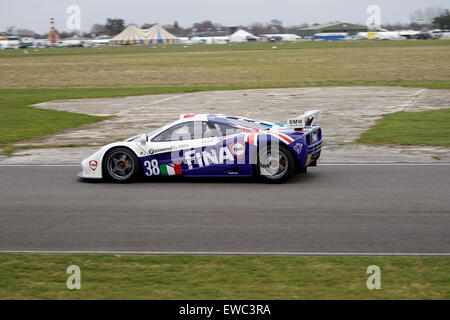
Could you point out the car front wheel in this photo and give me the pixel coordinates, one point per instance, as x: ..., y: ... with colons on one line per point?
x: 120, y: 165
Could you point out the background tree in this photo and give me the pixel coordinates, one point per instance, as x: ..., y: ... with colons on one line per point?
x: 259, y: 28
x: 276, y: 26
x: 11, y: 31
x: 442, y: 21
x: 426, y: 16
x: 396, y: 26
x: 175, y: 29
x: 98, y: 29
x: 114, y: 26
x: 206, y: 25
x: 293, y: 29
x: 147, y: 25
x: 65, y: 34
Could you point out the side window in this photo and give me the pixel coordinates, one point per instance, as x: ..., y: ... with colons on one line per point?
x: 209, y: 130
x: 226, y: 130
x: 182, y: 131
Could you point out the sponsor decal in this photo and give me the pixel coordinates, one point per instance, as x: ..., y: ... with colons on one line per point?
x: 298, y: 148
x: 153, y: 168
x: 238, y: 149
x: 296, y: 123
x: 207, y: 158
x: 171, y: 169
x: 93, y: 165
x: 168, y: 149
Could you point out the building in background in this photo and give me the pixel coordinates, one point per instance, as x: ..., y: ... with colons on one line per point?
x: 350, y: 29
x: 272, y: 37
x: 11, y: 42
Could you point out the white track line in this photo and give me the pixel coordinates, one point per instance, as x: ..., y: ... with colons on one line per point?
x: 320, y: 164
x: 225, y: 253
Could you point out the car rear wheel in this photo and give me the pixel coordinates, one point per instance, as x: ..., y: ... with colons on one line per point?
x: 121, y: 165
x: 275, y: 165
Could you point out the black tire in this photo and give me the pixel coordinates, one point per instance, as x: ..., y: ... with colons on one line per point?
x: 277, y: 172
x: 121, y: 165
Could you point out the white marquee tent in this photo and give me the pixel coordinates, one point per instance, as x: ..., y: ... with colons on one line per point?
x: 242, y: 36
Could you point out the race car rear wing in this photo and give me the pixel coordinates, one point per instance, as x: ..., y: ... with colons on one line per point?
x: 305, y: 120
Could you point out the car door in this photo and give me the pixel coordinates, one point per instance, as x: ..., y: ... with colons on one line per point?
x: 219, y: 153
x: 169, y: 148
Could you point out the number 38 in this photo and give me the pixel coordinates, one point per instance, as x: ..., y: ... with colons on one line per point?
x: 151, y: 168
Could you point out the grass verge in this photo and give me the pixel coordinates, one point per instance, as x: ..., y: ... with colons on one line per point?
x: 38, y: 276
x: 431, y: 128
x: 70, y: 73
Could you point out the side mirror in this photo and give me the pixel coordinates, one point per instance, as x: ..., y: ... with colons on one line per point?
x: 143, y: 139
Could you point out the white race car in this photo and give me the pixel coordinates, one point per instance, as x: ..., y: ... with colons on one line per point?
x: 213, y: 145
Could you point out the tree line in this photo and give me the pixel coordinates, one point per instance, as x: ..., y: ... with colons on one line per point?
x: 433, y: 17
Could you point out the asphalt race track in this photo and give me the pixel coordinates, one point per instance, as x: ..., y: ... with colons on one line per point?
x: 334, y: 209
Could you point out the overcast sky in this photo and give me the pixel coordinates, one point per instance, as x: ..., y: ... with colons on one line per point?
x: 35, y: 14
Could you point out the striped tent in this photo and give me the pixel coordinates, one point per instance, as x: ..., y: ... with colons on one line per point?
x: 153, y: 35
x: 131, y: 35
x: 158, y: 34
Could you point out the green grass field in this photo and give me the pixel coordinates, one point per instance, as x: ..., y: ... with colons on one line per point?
x: 66, y: 73
x: 431, y: 128
x: 254, y: 65
x: 35, y: 276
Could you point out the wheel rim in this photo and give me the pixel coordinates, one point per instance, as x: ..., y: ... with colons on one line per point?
x: 120, y: 165
x: 273, y: 163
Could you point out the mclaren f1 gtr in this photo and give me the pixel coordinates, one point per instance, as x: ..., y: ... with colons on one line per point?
x: 212, y: 145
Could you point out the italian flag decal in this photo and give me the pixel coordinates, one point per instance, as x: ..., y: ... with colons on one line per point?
x: 172, y: 169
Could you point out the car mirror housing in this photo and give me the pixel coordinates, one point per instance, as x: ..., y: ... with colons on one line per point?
x: 143, y: 139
